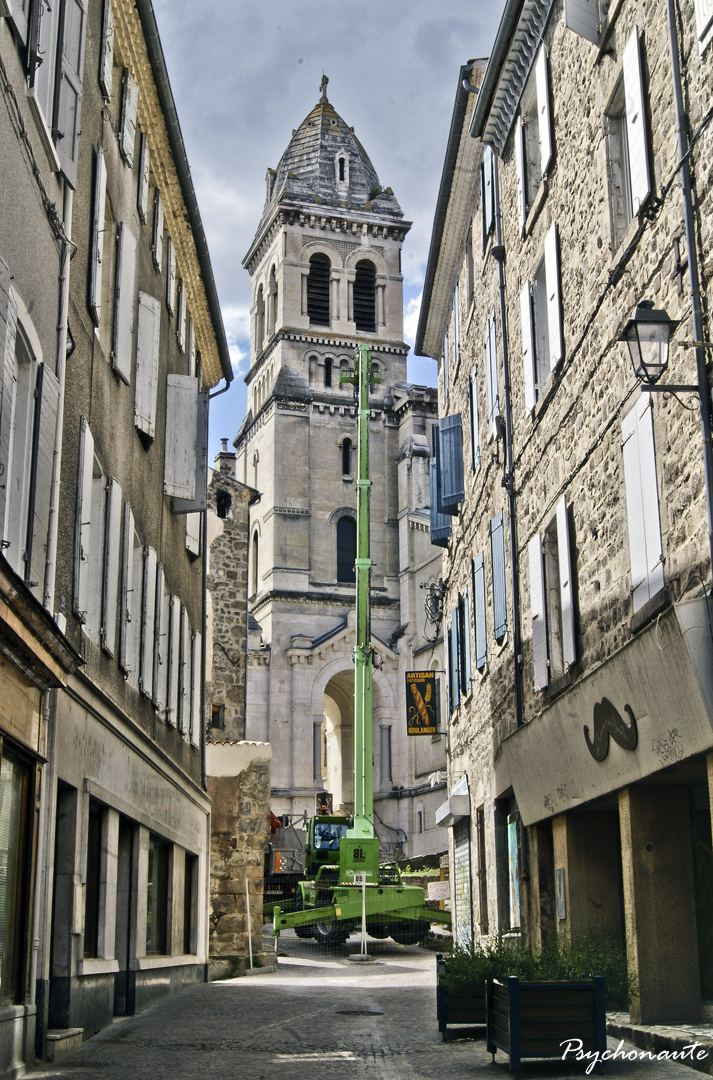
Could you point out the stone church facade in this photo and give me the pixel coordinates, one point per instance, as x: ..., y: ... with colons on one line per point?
x: 326, y: 275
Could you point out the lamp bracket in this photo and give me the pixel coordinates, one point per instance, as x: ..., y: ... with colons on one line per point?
x: 654, y: 388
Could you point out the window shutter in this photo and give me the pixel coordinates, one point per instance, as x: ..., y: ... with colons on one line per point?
x: 41, y: 477
x: 497, y: 554
x: 581, y: 16
x: 82, y: 527
x: 528, y: 346
x: 483, y: 209
x: 112, y: 550
x: 520, y: 170
x: 489, y: 212
x: 199, y: 502
x: 481, y: 637
x: 171, y: 279
x: 174, y: 641
x: 18, y: 11
x: 446, y: 368
x: 196, y: 690
x: 537, y: 611
x: 124, y: 302
x: 456, y: 324
x: 191, y: 347
x: 636, y: 123
x: 95, y: 284
x: 569, y: 639
x: 179, y: 477
x: 8, y: 329
x: 147, y: 350
x: 449, y: 670
x: 649, y: 489
x: 160, y: 643
x: 544, y: 117
x: 181, y: 316
x: 184, y: 691
x: 465, y: 638
x: 450, y: 461
x: 704, y: 22
x: 142, y: 196
x: 129, y: 608
x: 642, y: 503
x: 106, y: 62
x: 157, y: 244
x: 492, y: 354
x: 554, y: 299
x: 129, y: 108
x: 474, y: 425
x: 69, y: 104
x: 148, y: 616
x: 440, y: 523
x: 193, y: 533
x: 454, y: 658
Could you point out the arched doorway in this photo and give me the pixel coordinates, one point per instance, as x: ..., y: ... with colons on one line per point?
x: 338, y: 739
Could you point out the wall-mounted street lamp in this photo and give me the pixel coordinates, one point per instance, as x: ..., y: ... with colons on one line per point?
x: 648, y: 335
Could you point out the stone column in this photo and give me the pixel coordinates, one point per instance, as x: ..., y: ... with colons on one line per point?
x: 659, y: 904
x: 586, y: 848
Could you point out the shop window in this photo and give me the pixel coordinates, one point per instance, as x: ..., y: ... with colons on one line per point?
x: 318, y: 282
x: 156, y: 897
x: 365, y: 296
x: 14, y: 779
x: 346, y: 550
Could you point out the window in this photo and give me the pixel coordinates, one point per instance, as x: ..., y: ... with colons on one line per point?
x: 554, y: 645
x: 513, y: 821
x: 217, y: 717
x: 148, y: 340
x: 318, y: 285
x: 174, y: 662
x: 487, y: 193
x: 588, y: 18
x: 254, y: 578
x: 482, y: 871
x: 272, y: 295
x: 190, y: 882
x: 124, y: 302
x: 341, y: 170
x: 328, y: 372
x: 481, y: 637
x: 497, y: 554
x: 456, y: 325
x: 440, y: 522
x: 14, y: 783
x: 156, y: 897
x: 347, y: 457
x: 449, y: 456
x: 474, y: 425
x: 458, y: 652
x: 491, y: 367
x: 196, y: 688
x: 18, y: 418
x: 642, y: 503
x: 419, y: 821
x: 386, y: 769
x: 162, y: 644
x: 704, y: 23
x: 92, y: 891
x: 181, y: 316
x: 142, y: 193
x: 224, y: 501
x: 365, y: 296
x: 131, y: 599
x: 469, y: 268
x: 148, y: 617
x: 193, y: 530
x: 446, y: 371
x: 259, y: 320
x: 127, y: 126
x: 541, y: 322
x: 171, y: 277
x: 464, y: 641
x: 533, y: 137
x: 106, y: 64
x: 346, y: 550
x: 157, y: 241
x: 627, y: 143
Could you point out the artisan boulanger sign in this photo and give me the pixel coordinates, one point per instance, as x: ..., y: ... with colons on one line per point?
x: 421, y: 702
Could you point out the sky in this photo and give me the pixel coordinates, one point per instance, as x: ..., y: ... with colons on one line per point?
x: 245, y: 73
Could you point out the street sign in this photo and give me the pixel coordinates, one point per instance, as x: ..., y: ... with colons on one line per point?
x: 359, y: 878
x: 421, y: 696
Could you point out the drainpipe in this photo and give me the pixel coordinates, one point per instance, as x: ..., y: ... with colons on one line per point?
x: 51, y: 562
x: 204, y: 645
x: 694, y: 283
x: 498, y: 253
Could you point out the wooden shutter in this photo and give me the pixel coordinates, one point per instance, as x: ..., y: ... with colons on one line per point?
x: 171, y: 278
x: 455, y: 670
x: 528, y: 345
x: 95, y: 282
x: 184, y: 679
x: 489, y: 185
x: 581, y: 16
x: 147, y: 357
x: 449, y: 670
x: 483, y: 213
x: 8, y: 330
x: 465, y: 638
x: 124, y: 302
x: 41, y: 478
x: 142, y: 195
x: 148, y: 615
x: 112, y: 552
x: 554, y: 299
x: 456, y: 324
x: 193, y: 533
x: 544, y: 117
x: 481, y: 637
x: 474, y: 425
x: 69, y: 98
x: 520, y: 171
x: 18, y: 12
x: 450, y: 462
x: 704, y: 22
x: 174, y: 642
x: 537, y: 611
x: 157, y: 242
x: 129, y: 108
x: 129, y: 607
x: 440, y: 523
x: 83, y: 521
x: 497, y: 554
x: 564, y: 551
x: 181, y: 316
x: 179, y: 478
x: 492, y: 356
x: 642, y: 506
x: 650, y: 494
x: 196, y: 690
x: 160, y: 643
x: 636, y: 123
x: 446, y: 369
x: 199, y: 502
x: 191, y: 347
x: 106, y: 60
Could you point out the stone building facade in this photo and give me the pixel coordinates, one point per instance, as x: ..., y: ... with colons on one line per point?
x: 581, y: 737
x: 326, y: 275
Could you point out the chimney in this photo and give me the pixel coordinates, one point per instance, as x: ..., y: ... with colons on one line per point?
x: 225, y: 461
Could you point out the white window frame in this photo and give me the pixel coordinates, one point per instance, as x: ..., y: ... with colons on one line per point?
x: 554, y: 641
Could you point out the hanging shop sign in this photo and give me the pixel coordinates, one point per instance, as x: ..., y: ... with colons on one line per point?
x: 421, y: 702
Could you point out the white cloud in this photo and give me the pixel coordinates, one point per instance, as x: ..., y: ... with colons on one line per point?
x: 411, y: 314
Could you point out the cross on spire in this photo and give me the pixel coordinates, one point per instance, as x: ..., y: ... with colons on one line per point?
x: 323, y: 88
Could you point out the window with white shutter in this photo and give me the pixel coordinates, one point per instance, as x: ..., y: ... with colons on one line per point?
x: 157, y: 241
x: 481, y: 638
x: 196, y: 690
x: 148, y: 615
x: 491, y: 365
x: 184, y: 676
x: 546, y: 314
x: 487, y: 193
x: 174, y: 660
x: 23, y: 374
x: 527, y: 325
x: 193, y: 533
x: 642, y: 503
x: 704, y: 23
x: 67, y: 124
x: 628, y: 165
x: 533, y: 136
x: 112, y: 555
x: 474, y: 424
x: 8, y: 330
x: 181, y: 316
x: 161, y: 643
x: 83, y: 521
x: 147, y: 358
x: 129, y: 109
x: 181, y: 436
x: 552, y: 599
x: 191, y: 347
x: 199, y: 501
x: 171, y: 278
x: 46, y: 411
x: 97, y: 257
x: 537, y: 613
x: 520, y: 172
x: 106, y: 60
x: 43, y: 68
x: 130, y: 612
x: 18, y: 13
x: 95, y: 567
x: 142, y: 193
x: 554, y: 299
x: 124, y: 302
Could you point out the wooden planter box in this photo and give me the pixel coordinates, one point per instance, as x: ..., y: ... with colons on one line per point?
x: 457, y: 1008
x: 528, y: 1020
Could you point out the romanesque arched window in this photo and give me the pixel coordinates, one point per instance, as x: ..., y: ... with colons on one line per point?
x: 259, y: 321
x: 342, y: 166
x: 328, y: 372
x: 346, y: 550
x: 318, y: 290
x: 272, y: 303
x: 365, y: 296
x: 254, y: 565
x: 347, y: 457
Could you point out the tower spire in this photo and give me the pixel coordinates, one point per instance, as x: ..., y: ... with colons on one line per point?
x: 323, y: 89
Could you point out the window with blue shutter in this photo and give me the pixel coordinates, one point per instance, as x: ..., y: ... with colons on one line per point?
x: 474, y: 425
x: 454, y: 667
x: 464, y: 642
x: 450, y: 463
x: 449, y: 670
x: 481, y: 637
x: 491, y: 356
x: 440, y: 523
x: 497, y: 553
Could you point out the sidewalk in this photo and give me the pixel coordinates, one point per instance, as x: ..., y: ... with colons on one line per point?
x: 660, y: 1037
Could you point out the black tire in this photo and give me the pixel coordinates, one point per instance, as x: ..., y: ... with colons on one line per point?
x: 301, y: 931
x: 409, y: 933
x: 377, y: 930
x: 331, y: 934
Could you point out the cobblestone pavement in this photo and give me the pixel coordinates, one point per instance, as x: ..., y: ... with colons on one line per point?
x: 319, y: 1017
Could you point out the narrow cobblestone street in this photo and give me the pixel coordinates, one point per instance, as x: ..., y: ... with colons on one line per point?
x: 316, y: 1018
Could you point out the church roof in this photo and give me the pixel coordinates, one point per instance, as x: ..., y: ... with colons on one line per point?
x: 308, y: 171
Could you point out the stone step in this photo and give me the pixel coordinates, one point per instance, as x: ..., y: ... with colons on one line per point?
x: 61, y: 1041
